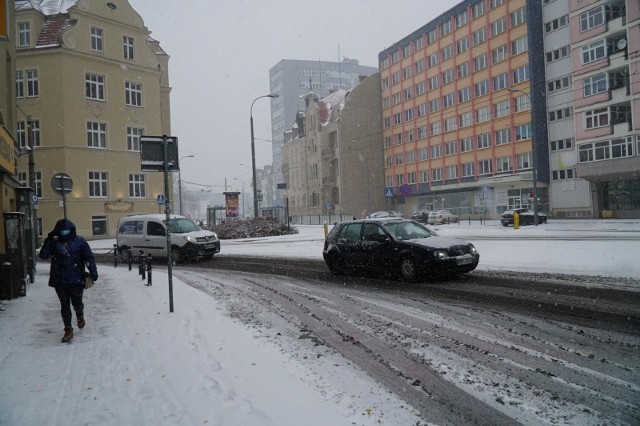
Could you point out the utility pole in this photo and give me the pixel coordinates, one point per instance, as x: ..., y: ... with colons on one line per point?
x: 32, y: 181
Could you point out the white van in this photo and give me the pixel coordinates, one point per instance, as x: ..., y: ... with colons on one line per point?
x: 148, y: 232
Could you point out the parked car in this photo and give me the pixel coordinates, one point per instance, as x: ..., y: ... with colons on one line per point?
x: 388, y: 213
x: 404, y: 247
x: 148, y: 232
x: 442, y: 216
x: 421, y: 216
x: 526, y: 217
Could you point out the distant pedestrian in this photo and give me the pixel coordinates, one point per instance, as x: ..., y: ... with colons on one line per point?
x: 69, y: 254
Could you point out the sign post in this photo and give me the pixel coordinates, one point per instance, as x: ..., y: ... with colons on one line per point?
x: 62, y: 184
x: 160, y: 153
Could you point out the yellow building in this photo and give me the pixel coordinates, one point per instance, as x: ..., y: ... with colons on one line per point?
x: 89, y: 81
x: 459, y: 128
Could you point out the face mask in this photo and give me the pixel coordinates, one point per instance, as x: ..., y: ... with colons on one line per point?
x: 65, y: 232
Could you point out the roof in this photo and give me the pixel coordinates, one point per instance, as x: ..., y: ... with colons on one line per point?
x: 47, y: 7
x: 329, y: 107
x: 52, y: 29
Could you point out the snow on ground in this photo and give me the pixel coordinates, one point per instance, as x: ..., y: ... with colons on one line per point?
x: 137, y: 363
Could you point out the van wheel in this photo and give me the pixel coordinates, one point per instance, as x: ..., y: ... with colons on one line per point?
x: 123, y: 253
x: 176, y: 257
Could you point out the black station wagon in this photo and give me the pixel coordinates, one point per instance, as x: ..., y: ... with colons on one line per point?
x: 404, y: 247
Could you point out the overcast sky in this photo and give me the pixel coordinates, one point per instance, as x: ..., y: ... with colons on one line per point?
x: 221, y: 53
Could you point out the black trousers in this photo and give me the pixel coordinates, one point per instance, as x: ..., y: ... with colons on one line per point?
x: 70, y: 294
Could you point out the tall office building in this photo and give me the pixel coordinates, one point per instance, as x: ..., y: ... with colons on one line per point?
x: 604, y: 56
x: 464, y: 119
x: 291, y: 79
x: 89, y: 81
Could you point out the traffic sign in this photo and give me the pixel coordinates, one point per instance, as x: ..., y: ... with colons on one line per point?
x: 61, y: 183
x: 328, y: 205
x: 388, y: 192
x: 160, y: 199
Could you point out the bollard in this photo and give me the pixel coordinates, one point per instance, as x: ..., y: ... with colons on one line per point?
x: 141, y: 271
x: 149, y: 262
x: 115, y: 255
x: 130, y: 257
x: 326, y: 229
x: 516, y: 221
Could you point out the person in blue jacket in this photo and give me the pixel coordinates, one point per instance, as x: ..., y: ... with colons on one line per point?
x: 69, y: 254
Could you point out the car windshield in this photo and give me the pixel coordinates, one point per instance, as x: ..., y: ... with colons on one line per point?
x: 407, y: 230
x: 182, y: 226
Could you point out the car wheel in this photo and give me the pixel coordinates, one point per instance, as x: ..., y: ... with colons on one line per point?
x: 456, y: 220
x: 408, y: 269
x: 123, y: 253
x: 176, y: 257
x: 334, y: 264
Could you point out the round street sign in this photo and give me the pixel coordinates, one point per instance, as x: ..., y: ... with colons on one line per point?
x: 61, y: 183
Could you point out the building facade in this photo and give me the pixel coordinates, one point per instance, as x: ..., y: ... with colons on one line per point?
x: 292, y: 79
x: 605, y: 57
x: 332, y: 156
x: 89, y: 82
x: 464, y: 121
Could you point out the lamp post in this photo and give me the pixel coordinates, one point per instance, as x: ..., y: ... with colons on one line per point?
x: 180, y: 181
x: 534, y: 161
x: 253, y: 152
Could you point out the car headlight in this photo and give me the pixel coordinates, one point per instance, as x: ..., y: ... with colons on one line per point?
x: 191, y: 239
x: 214, y: 237
x: 440, y: 254
x: 473, y: 249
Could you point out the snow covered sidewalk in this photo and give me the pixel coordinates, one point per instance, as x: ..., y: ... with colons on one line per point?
x: 136, y: 363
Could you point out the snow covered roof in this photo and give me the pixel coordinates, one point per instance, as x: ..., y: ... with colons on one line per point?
x: 47, y: 7
x: 51, y: 30
x: 330, y: 106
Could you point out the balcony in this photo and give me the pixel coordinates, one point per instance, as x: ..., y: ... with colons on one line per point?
x: 329, y: 180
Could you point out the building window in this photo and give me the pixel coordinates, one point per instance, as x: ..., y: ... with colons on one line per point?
x: 397, y: 118
x: 94, y: 86
x: 424, y: 176
x: 99, y: 225
x: 452, y: 171
x: 464, y: 95
x: 399, y: 159
x: 558, y: 84
x: 496, y: 3
x: 503, y: 136
x: 436, y: 174
x: 406, y: 51
x: 523, y: 103
x: 466, y: 144
x: 560, y: 114
x: 24, y: 34
x: 557, y: 23
x: 395, y: 78
x: 479, y: 36
x: 38, y: 183
x: 422, y: 110
x: 22, y: 133
x: 523, y: 132
x: 420, y: 88
x: 592, y: 18
x: 524, y: 161
x: 502, y: 108
x: 594, y: 51
x: 557, y: 54
x: 596, y: 118
x: 499, y: 54
x: 395, y: 57
x: 386, y: 103
x: 481, y: 88
x: 463, y: 69
x: 480, y: 62
x: 467, y: 169
x: 389, y: 181
x: 436, y: 151
x: 461, y: 19
x: 483, y: 114
x: 399, y: 180
x: 388, y: 142
x: 386, y: 122
x: 432, y: 36
x: 500, y: 81
x: 433, y: 82
x: 448, y: 100
x: 406, y: 73
x: 128, y: 47
x: 503, y: 164
x: 422, y: 154
x: 398, y: 139
x: 518, y: 17
x: 434, y: 105
x: 447, y: 52
x: 450, y: 124
x: 484, y: 140
x: 462, y: 45
x: 478, y: 9
x: 137, y: 186
x: 422, y: 132
x: 97, y: 39
x: 408, y: 114
x: 19, y: 84
x: 33, y: 89
x: 133, y: 138
x: 388, y: 161
x: 466, y: 119
x: 498, y: 27
x: 435, y: 128
x: 419, y: 66
x: 96, y: 135
x: 519, y: 45
x: 561, y: 144
x: 411, y: 178
x: 411, y: 157
x: 407, y: 93
x: 485, y: 167
x: 451, y: 148
x: 419, y: 43
x: 595, y: 84
x: 397, y: 98
x: 521, y: 74
x: 445, y: 27
x: 98, y: 184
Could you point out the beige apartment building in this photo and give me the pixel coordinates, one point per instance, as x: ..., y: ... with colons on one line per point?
x: 463, y: 111
x: 89, y: 82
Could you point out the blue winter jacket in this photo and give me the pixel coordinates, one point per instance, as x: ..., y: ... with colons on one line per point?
x: 69, y: 254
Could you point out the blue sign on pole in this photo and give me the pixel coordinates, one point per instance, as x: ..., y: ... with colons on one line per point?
x: 160, y: 200
x: 388, y: 192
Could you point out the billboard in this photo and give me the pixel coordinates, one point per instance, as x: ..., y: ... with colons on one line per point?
x: 231, y: 204
x: 152, y: 153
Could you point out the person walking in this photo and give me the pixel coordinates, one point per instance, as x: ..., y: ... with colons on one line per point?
x: 69, y: 254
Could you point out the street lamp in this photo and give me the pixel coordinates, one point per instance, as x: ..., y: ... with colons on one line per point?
x: 253, y: 152
x: 180, y: 181
x: 534, y: 161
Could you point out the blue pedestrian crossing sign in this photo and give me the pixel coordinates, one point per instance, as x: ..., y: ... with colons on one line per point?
x: 388, y: 192
x: 160, y: 199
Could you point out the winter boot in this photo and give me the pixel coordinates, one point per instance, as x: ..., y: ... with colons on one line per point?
x: 81, y: 322
x: 68, y: 335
